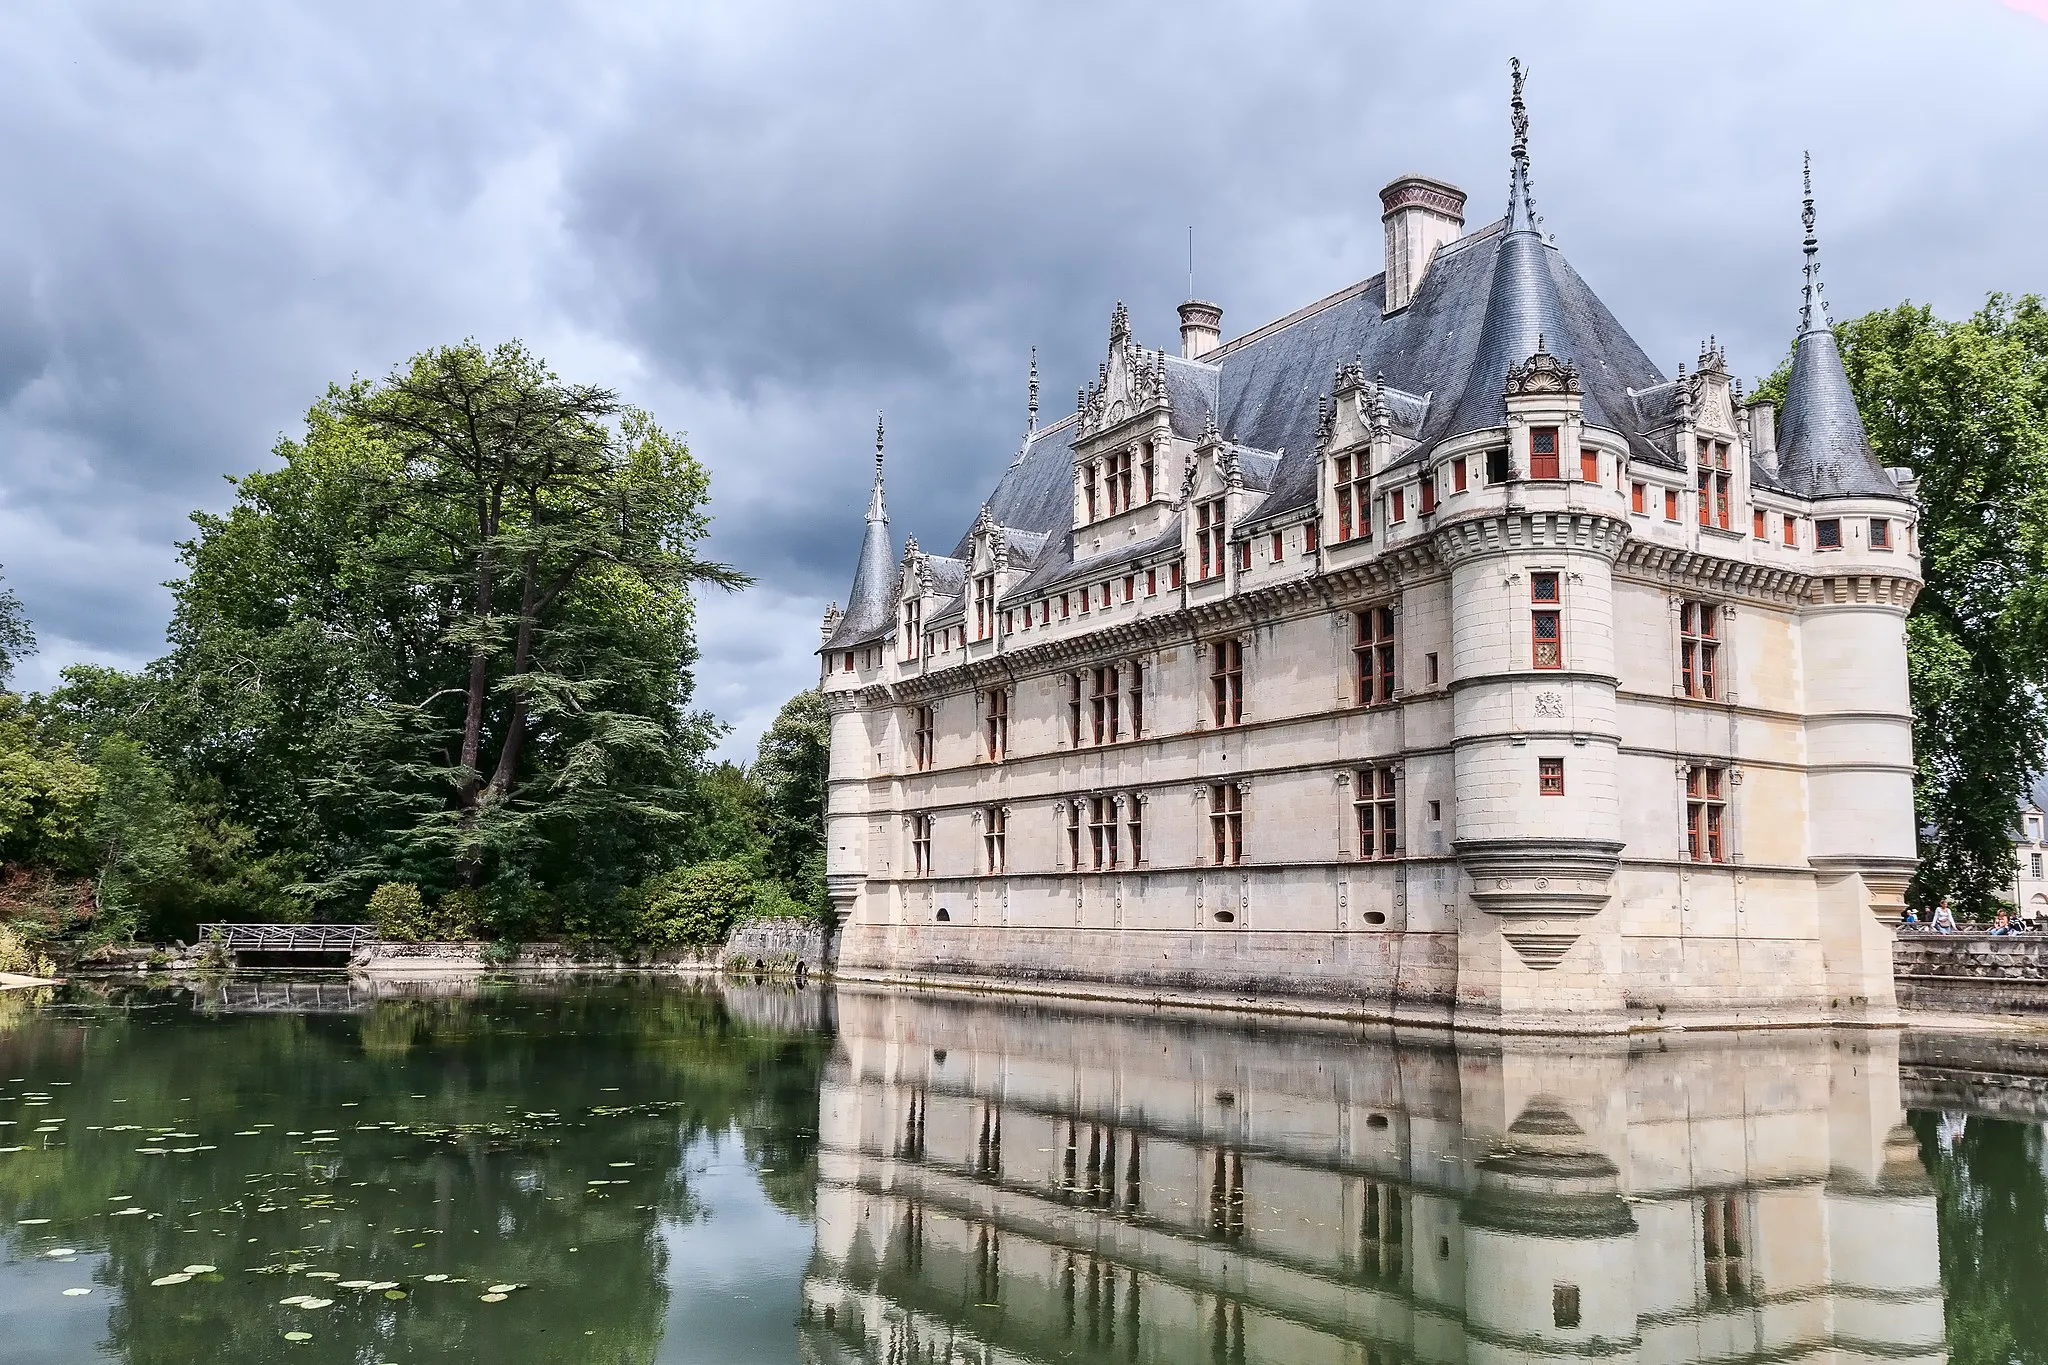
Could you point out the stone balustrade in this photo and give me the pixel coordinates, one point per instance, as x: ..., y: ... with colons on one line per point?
x: 1972, y: 971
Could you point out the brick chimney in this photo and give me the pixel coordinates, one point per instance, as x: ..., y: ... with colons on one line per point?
x: 1201, y: 328
x: 1420, y: 215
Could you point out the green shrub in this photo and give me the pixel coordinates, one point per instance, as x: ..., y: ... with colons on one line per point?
x: 399, y: 913
x: 773, y: 901
x: 696, y: 905
x: 14, y: 954
x: 458, y: 915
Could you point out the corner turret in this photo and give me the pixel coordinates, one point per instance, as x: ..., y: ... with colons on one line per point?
x: 870, y: 609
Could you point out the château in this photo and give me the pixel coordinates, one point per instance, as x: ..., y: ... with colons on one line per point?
x: 1426, y: 654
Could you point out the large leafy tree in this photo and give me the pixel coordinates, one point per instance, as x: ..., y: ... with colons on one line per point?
x: 791, y: 769
x: 449, y: 640
x: 1964, y: 405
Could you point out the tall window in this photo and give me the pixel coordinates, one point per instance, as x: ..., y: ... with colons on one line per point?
x: 1137, y: 700
x: 1244, y: 555
x: 1372, y: 655
x: 1757, y: 526
x: 923, y: 746
x: 1091, y: 475
x: 995, y: 838
x: 1791, y: 530
x: 1102, y: 832
x: 1354, y: 510
x: 1550, y: 777
x: 1103, y: 703
x: 984, y: 605
x: 996, y: 722
x: 1134, y: 830
x: 1458, y: 475
x: 1226, y: 823
x: 1209, y: 537
x: 1147, y: 470
x: 1119, y: 481
x: 1543, y: 453
x: 1706, y: 810
x: 1546, y: 621
x: 1308, y: 537
x: 913, y: 626
x: 1726, y: 1264
x: 1498, y: 470
x: 921, y: 845
x: 1226, y: 681
x: 1382, y: 1238
x: 1589, y: 466
x: 1671, y: 504
x: 1636, y: 493
x: 1074, y: 731
x: 1699, y: 647
x: 1428, y: 494
x: 1377, y: 809
x: 1073, y: 810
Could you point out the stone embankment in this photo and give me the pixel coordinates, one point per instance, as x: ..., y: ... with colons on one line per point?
x: 1972, y: 972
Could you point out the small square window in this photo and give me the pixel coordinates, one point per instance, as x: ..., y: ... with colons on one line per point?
x: 1880, y: 534
x: 1550, y: 776
x: 1543, y: 587
x: 1827, y: 533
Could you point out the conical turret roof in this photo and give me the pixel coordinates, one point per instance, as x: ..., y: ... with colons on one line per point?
x: 871, y: 608
x: 1823, y: 451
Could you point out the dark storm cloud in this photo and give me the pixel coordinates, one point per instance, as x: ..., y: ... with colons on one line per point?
x: 766, y: 221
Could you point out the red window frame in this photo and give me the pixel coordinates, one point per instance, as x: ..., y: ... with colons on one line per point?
x: 1589, y: 466
x: 1543, y: 453
x: 1550, y: 776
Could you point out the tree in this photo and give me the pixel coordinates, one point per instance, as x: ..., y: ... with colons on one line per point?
x: 1965, y: 406
x: 791, y: 767
x: 17, y: 640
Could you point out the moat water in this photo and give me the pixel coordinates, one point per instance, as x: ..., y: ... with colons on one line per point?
x: 635, y: 1171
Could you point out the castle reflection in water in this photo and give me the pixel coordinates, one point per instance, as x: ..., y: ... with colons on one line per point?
x: 1002, y: 1183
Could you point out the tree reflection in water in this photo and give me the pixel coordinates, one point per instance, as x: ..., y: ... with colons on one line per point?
x: 533, y: 1136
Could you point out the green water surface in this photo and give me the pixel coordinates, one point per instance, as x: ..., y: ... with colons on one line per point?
x: 635, y: 1171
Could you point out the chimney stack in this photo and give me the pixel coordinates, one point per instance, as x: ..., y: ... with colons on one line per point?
x: 1201, y: 328
x: 1420, y: 215
x: 1763, y: 434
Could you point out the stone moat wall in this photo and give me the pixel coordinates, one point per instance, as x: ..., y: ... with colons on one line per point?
x: 1972, y: 971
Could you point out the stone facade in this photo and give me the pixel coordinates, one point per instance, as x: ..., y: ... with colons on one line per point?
x: 1006, y: 1185
x: 1425, y: 654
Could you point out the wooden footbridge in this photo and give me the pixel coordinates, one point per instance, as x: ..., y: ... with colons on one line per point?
x: 297, y: 939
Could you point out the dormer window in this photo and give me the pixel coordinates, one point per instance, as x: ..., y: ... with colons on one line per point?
x: 984, y: 605
x: 913, y: 626
x: 1089, y: 491
x: 1209, y: 538
x: 1713, y: 485
x: 1543, y: 453
x: 1118, y: 470
x: 1354, y: 512
x: 1147, y: 470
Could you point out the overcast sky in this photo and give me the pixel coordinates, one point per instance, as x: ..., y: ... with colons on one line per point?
x: 765, y: 221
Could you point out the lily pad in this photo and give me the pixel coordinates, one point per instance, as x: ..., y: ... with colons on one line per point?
x: 298, y: 1336
x: 60, y: 1251
x: 502, y: 1288
x: 316, y: 1303
x: 433, y: 1279
x: 76, y: 1293
x: 201, y: 1269
x: 178, y: 1278
x: 492, y: 1298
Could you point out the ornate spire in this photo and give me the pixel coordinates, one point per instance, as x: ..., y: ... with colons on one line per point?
x: 870, y: 607
x: 1521, y: 198
x: 875, y: 511
x: 1813, y: 310
x: 1823, y: 450
x: 1031, y: 408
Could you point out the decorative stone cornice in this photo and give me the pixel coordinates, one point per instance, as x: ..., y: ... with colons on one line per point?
x: 1877, y: 590
x: 1673, y: 566
x: 1503, y: 532
x: 1542, y: 373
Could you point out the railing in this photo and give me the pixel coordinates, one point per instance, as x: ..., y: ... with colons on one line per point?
x: 289, y: 938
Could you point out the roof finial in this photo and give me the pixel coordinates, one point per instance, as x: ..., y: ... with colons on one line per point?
x: 875, y: 512
x: 1813, y: 310
x: 1521, y: 198
x: 1031, y: 408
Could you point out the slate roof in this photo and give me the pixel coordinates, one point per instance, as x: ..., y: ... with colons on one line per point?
x: 1822, y: 449
x: 1484, y: 302
x: 871, y: 608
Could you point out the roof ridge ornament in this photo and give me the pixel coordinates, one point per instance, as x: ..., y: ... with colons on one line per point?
x: 876, y: 511
x: 1814, y: 294
x: 1543, y: 372
x: 1521, y: 196
x: 1031, y: 407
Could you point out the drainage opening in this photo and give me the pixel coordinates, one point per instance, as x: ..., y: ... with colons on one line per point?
x: 1375, y: 917
x: 944, y: 918
x: 1225, y: 917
